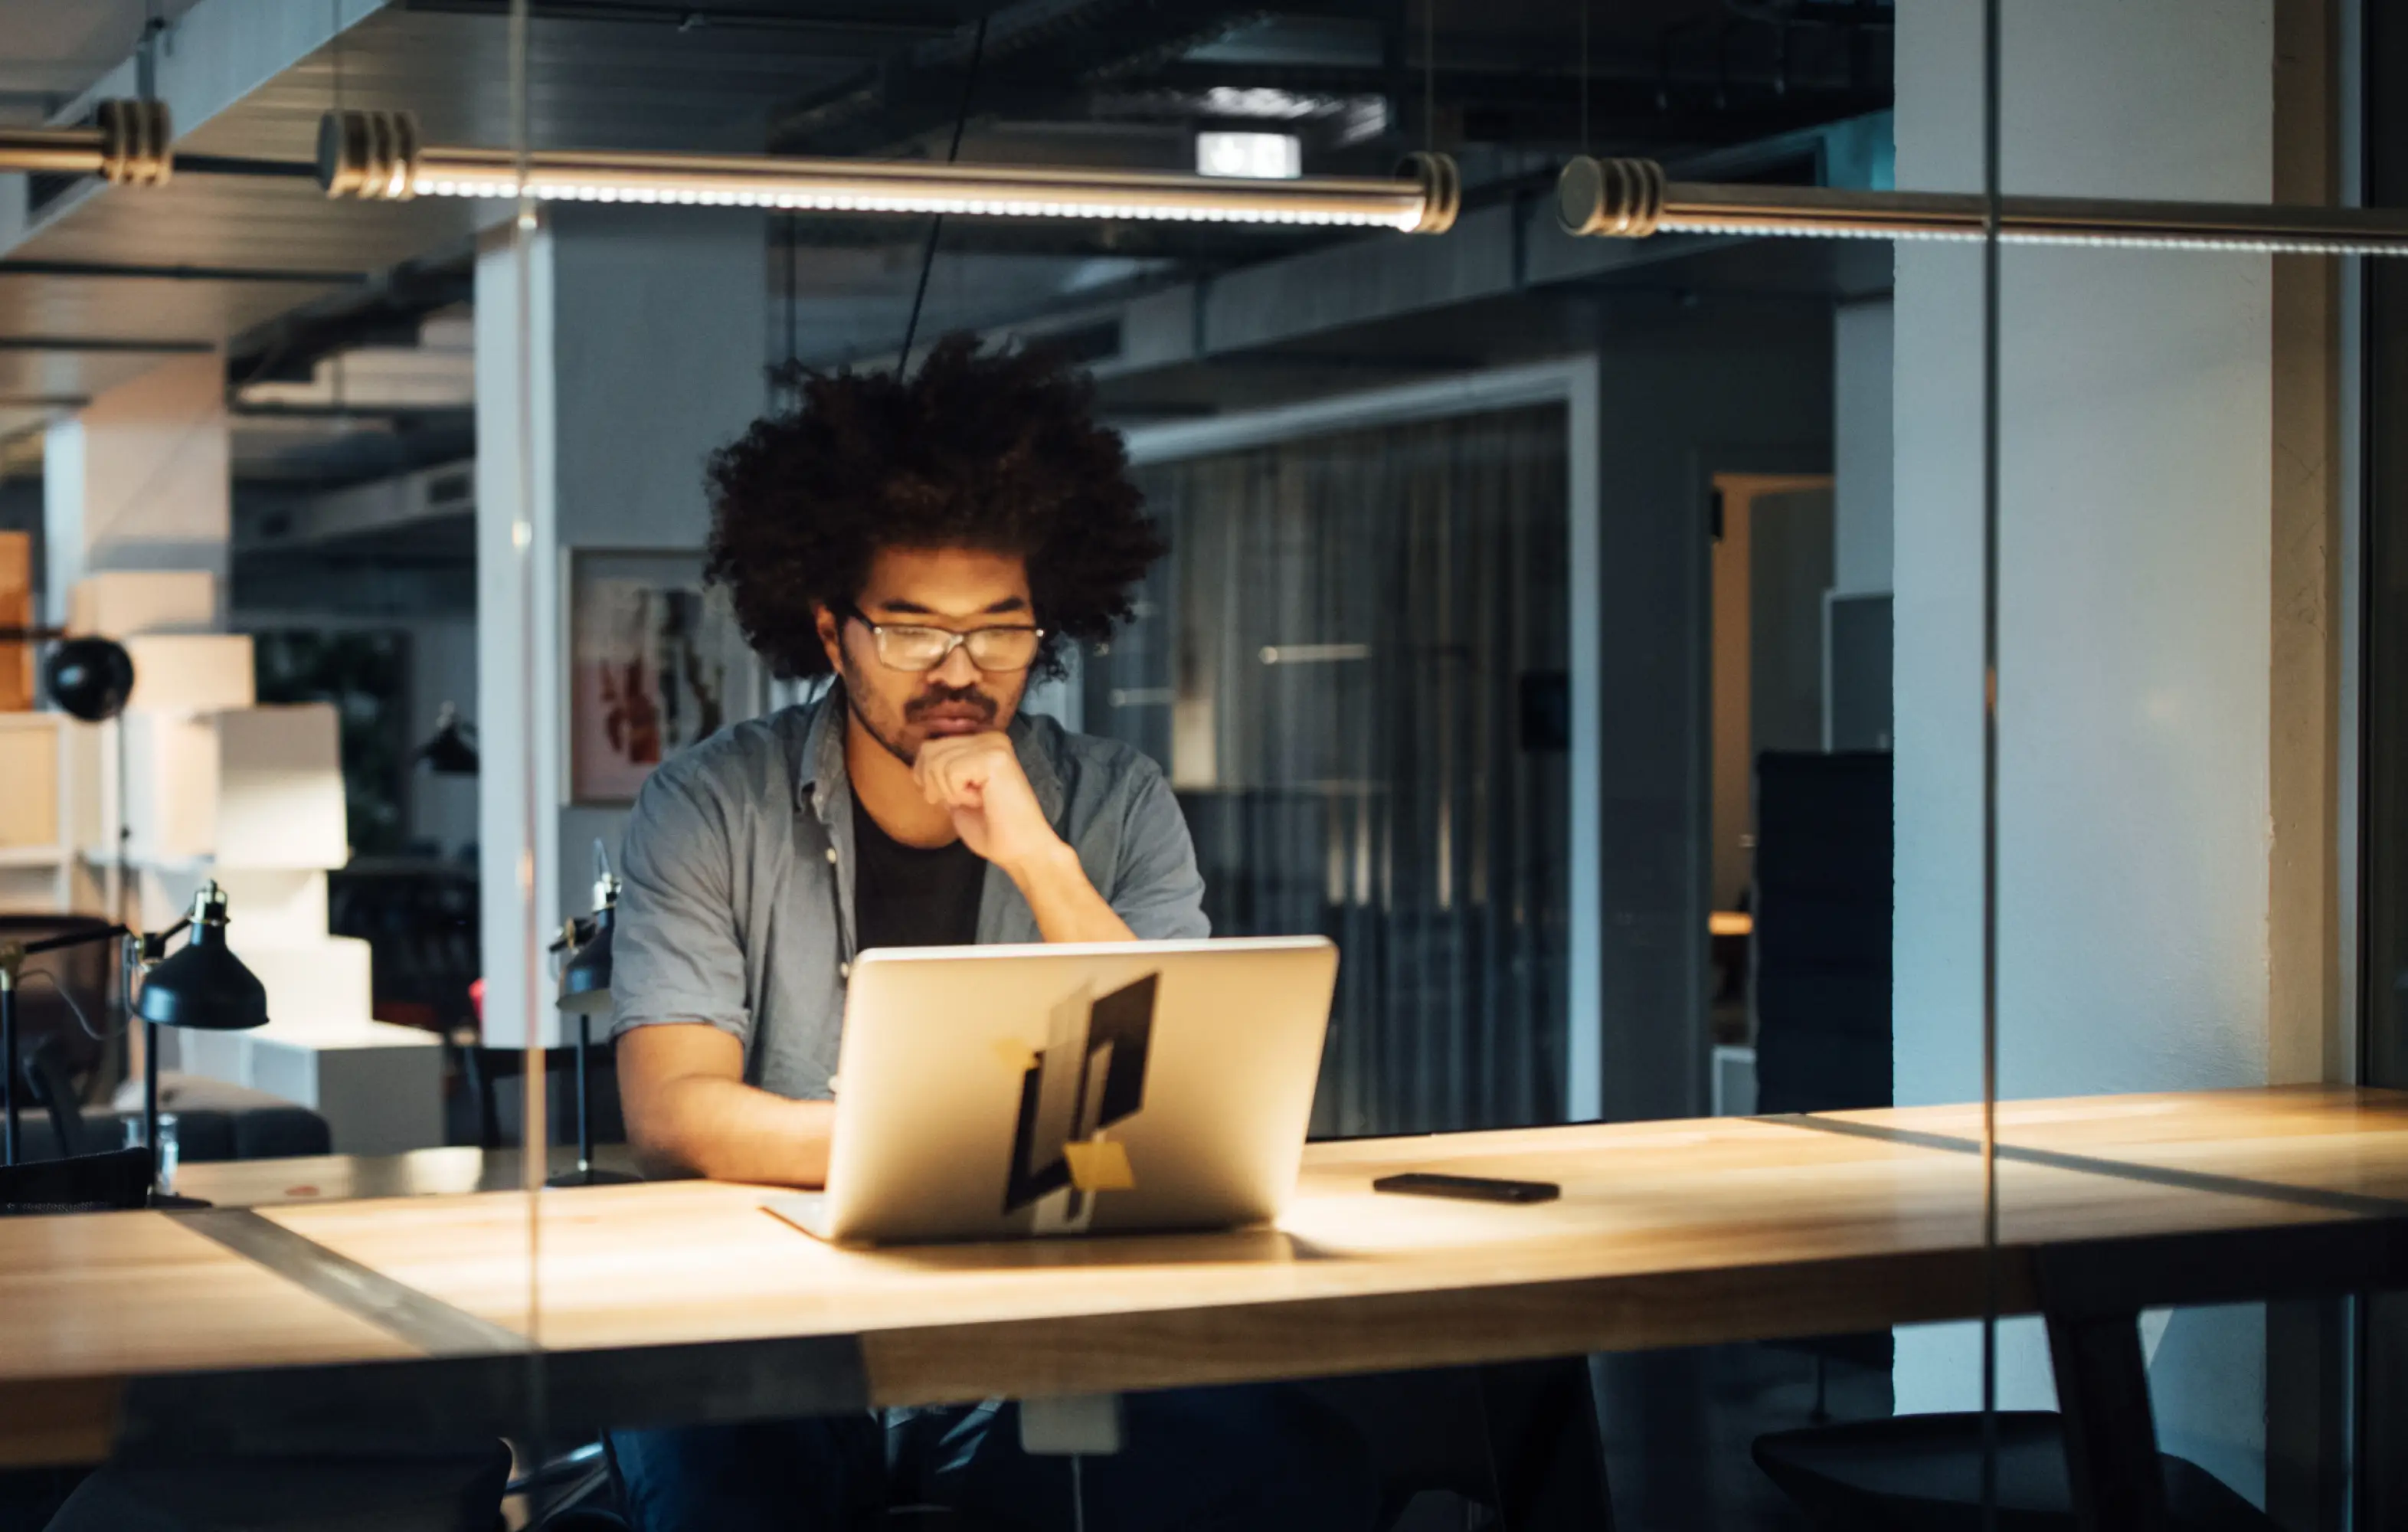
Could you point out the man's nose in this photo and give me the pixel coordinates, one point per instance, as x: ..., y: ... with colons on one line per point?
x: 957, y: 670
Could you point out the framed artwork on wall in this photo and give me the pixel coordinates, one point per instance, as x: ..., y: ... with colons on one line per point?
x: 655, y: 664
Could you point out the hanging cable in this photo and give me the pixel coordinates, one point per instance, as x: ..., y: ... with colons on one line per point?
x: 937, y: 224
x: 1583, y: 77
x: 1430, y: 77
x: 73, y: 1008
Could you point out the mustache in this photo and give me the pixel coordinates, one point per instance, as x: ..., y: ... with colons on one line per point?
x: 950, y: 696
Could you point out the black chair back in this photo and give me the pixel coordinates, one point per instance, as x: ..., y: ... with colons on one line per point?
x: 85, y: 975
x: 115, y: 1182
x: 52, y: 1089
x: 1822, y: 943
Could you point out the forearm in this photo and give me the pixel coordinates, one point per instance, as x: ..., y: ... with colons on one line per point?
x: 1066, y: 904
x: 727, y: 1130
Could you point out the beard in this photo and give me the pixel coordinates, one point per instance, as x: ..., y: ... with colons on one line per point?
x: 921, y: 703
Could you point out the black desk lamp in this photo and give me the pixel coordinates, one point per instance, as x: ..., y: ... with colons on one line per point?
x: 204, y: 986
x: 451, y: 749
x: 585, y: 992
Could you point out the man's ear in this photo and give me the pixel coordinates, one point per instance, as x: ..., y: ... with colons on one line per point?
x: 831, y: 634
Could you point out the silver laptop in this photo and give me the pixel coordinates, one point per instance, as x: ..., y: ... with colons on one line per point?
x: 995, y: 1093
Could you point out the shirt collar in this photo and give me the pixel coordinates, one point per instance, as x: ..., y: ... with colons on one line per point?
x: 820, y: 779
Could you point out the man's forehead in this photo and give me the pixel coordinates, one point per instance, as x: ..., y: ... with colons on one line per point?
x: 948, y: 582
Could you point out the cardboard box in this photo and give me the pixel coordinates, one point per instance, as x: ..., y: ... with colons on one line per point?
x: 265, y: 906
x: 171, y: 788
x: 191, y: 672
x: 279, y: 788
x: 29, y: 767
x: 17, y: 691
x: 327, y: 982
x: 379, y: 1086
x: 120, y: 603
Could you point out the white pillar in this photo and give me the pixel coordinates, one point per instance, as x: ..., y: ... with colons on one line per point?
x: 141, y: 478
x: 2135, y: 609
x: 646, y: 333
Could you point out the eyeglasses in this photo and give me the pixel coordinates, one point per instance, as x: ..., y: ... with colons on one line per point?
x: 904, y: 646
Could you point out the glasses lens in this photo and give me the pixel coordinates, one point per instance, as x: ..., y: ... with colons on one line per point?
x: 913, y: 649
x: 1003, y: 649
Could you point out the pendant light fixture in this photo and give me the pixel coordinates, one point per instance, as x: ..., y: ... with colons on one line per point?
x: 125, y: 142
x: 1630, y: 199
x: 377, y: 156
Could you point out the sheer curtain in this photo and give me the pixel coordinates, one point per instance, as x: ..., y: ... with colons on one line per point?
x: 1353, y: 666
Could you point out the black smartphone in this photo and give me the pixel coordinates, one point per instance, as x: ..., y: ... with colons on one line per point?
x: 1468, y: 1188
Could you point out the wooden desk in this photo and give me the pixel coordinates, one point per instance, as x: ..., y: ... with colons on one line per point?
x: 351, y: 1178
x: 687, y: 1301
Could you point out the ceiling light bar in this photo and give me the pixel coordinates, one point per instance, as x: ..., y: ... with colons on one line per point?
x: 1630, y: 199
x: 377, y: 156
x: 125, y: 142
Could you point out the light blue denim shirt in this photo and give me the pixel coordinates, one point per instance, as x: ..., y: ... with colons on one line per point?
x: 737, y: 909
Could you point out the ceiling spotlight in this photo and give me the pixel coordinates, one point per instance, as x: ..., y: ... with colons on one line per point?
x: 379, y: 156
x: 1256, y: 156
x: 1630, y: 199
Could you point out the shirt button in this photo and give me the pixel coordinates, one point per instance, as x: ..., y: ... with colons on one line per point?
x: 831, y: 853
x: 844, y: 970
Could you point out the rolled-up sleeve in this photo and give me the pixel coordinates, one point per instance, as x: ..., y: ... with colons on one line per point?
x: 675, y: 955
x: 1159, y: 890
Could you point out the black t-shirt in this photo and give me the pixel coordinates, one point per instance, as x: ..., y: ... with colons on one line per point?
x: 912, y: 895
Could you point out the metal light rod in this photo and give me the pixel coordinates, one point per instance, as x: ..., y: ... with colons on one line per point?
x: 126, y: 142
x: 1630, y: 199
x: 377, y: 156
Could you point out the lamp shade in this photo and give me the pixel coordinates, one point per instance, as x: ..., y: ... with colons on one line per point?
x: 89, y: 677
x: 451, y: 749
x: 204, y: 986
x: 585, y: 980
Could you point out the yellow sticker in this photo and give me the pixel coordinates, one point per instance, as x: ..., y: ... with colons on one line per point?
x: 1014, y: 1056
x: 1101, y: 1166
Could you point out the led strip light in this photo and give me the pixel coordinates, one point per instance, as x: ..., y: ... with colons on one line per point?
x: 377, y: 156
x: 1630, y: 199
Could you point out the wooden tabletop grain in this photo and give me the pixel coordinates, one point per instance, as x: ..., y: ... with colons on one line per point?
x: 1670, y: 1233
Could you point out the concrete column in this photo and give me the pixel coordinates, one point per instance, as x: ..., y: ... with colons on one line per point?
x: 140, y: 478
x: 1863, y: 452
x: 2136, y: 433
x: 639, y: 337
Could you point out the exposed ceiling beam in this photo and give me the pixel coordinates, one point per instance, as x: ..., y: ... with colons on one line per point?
x: 1084, y: 42
x: 181, y: 273
x: 869, y: 19
x: 105, y: 343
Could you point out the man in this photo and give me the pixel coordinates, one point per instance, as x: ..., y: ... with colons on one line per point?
x: 928, y: 543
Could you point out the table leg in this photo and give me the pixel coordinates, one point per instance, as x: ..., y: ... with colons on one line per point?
x: 2111, y: 1434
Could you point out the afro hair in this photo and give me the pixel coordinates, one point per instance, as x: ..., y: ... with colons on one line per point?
x: 994, y: 449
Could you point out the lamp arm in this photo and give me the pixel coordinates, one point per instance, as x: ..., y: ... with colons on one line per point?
x: 154, y: 945
x: 75, y: 939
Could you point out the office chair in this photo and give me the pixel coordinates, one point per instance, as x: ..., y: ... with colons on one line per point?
x: 115, y: 1182
x: 49, y: 1084
x: 405, y: 1488
x: 1519, y: 1437
x: 1922, y: 1473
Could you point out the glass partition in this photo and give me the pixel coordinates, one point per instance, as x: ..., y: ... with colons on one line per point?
x: 1802, y: 648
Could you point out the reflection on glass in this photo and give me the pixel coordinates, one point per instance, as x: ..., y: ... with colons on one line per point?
x: 1351, y: 667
